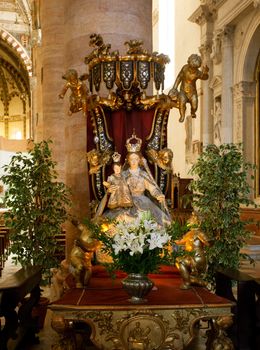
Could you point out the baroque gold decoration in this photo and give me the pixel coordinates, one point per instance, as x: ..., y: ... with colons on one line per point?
x: 97, y: 162
x: 146, y: 329
x: 129, y: 73
x: 156, y: 142
x: 135, y: 47
x: 101, y: 49
x: 127, y: 77
x: 187, y: 80
x: 163, y: 158
x: 193, y: 266
x: 97, y: 159
x: 218, y: 336
x: 81, y: 255
x: 79, y: 91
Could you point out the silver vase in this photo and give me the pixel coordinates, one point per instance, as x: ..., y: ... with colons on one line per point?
x: 137, y: 285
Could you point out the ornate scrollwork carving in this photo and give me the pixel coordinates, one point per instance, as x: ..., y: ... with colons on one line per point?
x: 65, y: 329
x: 217, y: 336
x: 101, y: 49
x: 130, y: 72
x: 135, y: 47
x: 145, y: 329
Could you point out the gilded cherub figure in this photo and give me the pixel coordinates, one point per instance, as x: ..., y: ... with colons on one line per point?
x: 97, y: 159
x: 79, y: 91
x: 81, y: 255
x: 193, y: 266
x: 162, y: 158
x: 58, y: 281
x: 187, y: 78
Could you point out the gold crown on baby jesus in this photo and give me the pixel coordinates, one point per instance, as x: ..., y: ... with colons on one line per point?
x: 116, y: 157
x: 133, y: 146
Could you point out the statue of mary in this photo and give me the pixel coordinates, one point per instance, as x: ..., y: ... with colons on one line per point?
x: 137, y: 183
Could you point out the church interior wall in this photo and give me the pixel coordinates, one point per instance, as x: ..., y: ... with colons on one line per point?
x: 182, y: 135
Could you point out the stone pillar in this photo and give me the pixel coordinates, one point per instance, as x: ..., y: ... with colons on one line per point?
x: 244, y: 122
x: 207, y: 127
x: 49, y: 69
x: 66, y: 26
x: 227, y: 84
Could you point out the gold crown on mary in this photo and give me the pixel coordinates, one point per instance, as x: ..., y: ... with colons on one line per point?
x: 133, y: 144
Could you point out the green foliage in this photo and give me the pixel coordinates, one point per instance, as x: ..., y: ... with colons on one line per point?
x: 220, y: 186
x: 176, y: 231
x: 37, y: 205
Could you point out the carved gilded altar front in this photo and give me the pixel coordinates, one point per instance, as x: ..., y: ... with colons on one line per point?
x: 139, y: 329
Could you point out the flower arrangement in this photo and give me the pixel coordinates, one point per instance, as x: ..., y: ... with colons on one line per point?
x: 138, y: 246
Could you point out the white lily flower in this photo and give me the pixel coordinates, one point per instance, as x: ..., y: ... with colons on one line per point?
x: 136, y: 237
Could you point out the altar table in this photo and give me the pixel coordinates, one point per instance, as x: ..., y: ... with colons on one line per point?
x: 167, y: 321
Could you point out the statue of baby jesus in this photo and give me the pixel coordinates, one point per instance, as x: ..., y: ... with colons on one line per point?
x: 120, y: 196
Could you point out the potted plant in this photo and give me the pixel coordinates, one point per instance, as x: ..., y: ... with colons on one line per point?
x: 37, y: 206
x: 219, y: 188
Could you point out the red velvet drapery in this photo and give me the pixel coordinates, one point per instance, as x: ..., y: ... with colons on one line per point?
x: 120, y: 125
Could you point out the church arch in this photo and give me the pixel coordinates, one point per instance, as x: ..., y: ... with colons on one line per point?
x: 17, y: 46
x: 246, y: 98
x: 249, y: 51
x: 15, y: 95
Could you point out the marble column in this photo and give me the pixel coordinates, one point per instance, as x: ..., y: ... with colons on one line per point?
x: 246, y: 129
x: 227, y: 84
x: 66, y: 26
x: 207, y: 127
